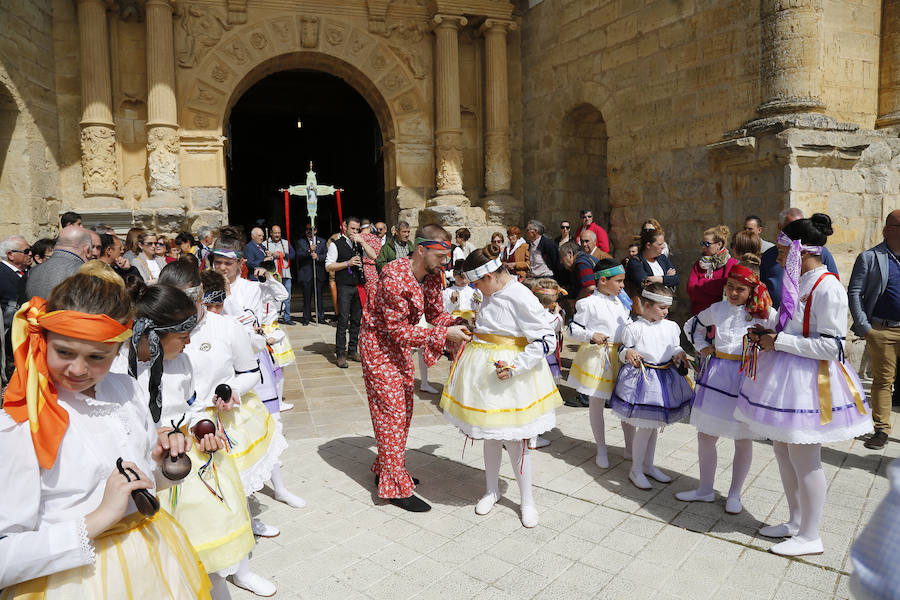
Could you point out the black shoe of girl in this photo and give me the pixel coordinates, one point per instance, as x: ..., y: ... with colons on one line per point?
x: 584, y: 399
x: 412, y: 504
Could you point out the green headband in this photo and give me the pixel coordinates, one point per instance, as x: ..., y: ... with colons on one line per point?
x: 610, y: 272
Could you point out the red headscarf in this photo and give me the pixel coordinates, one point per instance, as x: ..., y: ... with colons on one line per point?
x: 760, y: 301
x: 31, y: 394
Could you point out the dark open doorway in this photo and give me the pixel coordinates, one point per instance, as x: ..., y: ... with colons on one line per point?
x: 268, y: 151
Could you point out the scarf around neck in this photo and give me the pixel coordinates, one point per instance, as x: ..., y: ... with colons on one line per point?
x: 711, y: 264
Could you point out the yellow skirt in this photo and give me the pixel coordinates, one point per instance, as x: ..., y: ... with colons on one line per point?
x: 594, y: 369
x: 218, y: 529
x: 137, y: 558
x: 282, y: 352
x: 483, y: 406
x: 257, y: 440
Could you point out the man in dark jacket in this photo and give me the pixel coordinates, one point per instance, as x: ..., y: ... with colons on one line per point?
x: 310, y: 255
x: 111, y: 253
x: 543, y: 254
x: 394, y: 247
x: 73, y: 249
x: 255, y: 253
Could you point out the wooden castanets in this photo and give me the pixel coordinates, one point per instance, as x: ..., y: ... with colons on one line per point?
x: 177, y: 467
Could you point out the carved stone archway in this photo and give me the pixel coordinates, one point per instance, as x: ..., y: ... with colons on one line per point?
x: 218, y: 62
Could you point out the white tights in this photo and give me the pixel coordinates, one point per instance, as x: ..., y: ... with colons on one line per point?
x: 598, y: 426
x: 743, y: 456
x: 803, y: 478
x: 521, y: 463
x: 423, y: 368
x: 628, y: 431
x: 219, y: 587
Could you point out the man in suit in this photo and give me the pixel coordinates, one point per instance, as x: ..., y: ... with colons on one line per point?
x: 73, y: 249
x: 770, y: 272
x: 874, y: 296
x: 543, y: 256
x: 310, y: 254
x: 16, y: 260
x: 255, y: 253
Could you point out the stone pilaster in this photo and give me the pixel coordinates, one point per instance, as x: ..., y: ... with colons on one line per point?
x: 448, y: 127
x: 98, y: 135
x: 791, y: 61
x: 889, y: 84
x: 162, y: 114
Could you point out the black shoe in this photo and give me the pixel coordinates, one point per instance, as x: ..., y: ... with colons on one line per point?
x: 412, y: 504
x: 584, y: 399
x: 877, y: 441
x: 573, y: 402
x: 415, y: 481
x: 341, y: 362
x: 304, y: 322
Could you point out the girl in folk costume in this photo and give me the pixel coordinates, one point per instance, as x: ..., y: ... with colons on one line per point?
x: 803, y: 393
x: 81, y: 460
x: 651, y: 390
x: 220, y: 352
x: 547, y: 292
x: 210, y: 504
x: 461, y: 299
x: 598, y: 324
x: 278, y: 351
x: 500, y: 388
x: 747, y: 304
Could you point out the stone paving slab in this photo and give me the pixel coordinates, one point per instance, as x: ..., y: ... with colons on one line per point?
x: 599, y: 536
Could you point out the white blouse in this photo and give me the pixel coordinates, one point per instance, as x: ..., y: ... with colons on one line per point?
x: 220, y: 352
x: 599, y: 313
x: 467, y: 298
x: 731, y: 324
x: 176, y: 387
x: 42, y: 528
x: 273, y: 294
x: 515, y: 311
x: 828, y: 318
x: 245, y: 302
x: 657, y: 342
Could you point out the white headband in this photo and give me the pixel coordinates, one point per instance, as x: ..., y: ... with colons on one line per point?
x: 479, y: 272
x: 666, y: 300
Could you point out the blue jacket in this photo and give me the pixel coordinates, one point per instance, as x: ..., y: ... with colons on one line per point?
x: 867, y: 282
x: 255, y: 256
x: 639, y: 269
x: 305, y: 261
x: 771, y: 272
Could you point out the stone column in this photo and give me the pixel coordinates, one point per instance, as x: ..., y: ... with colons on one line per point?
x: 448, y: 125
x: 162, y: 114
x: 497, y: 170
x: 791, y: 60
x: 98, y: 133
x: 889, y: 84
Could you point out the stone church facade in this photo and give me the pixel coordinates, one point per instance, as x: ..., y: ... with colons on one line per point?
x: 694, y: 112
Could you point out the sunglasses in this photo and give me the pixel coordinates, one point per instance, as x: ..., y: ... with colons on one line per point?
x: 25, y: 251
x: 706, y: 244
x: 565, y: 227
x: 154, y: 243
x: 588, y: 217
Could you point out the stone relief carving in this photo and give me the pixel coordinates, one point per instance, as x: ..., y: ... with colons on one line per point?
x: 204, y: 95
x: 131, y: 11
x: 219, y: 73
x: 406, y: 103
x: 202, y: 121
x: 334, y: 35
x: 236, y: 51
x: 258, y: 40
x: 282, y: 29
x: 358, y: 42
x: 378, y: 61
x: 405, y: 34
x: 395, y: 80
x: 98, y: 160
x: 237, y: 12
x: 162, y: 159
x: 497, y: 169
x: 199, y: 29
x: 449, y: 158
x: 412, y: 60
x: 309, y: 32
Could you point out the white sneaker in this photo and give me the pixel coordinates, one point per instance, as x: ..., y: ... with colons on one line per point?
x: 798, y: 547
x: 426, y: 387
x: 779, y: 531
x: 262, y: 530
x: 486, y: 503
x: 538, y: 442
x: 285, y: 406
x: 529, y: 515
x: 290, y: 499
x: 656, y: 474
x: 693, y: 496
x: 254, y: 583
x: 733, y: 506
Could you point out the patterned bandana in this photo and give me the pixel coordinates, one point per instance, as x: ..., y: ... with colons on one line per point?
x: 144, y: 326
x: 790, y: 280
x: 432, y: 244
x: 214, y: 297
x: 194, y: 293
x: 610, y: 272
x: 711, y: 264
x: 228, y: 253
x: 759, y: 302
x: 479, y: 272
x: 658, y: 298
x: 31, y: 394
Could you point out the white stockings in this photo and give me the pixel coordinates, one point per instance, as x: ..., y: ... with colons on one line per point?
x: 520, y: 458
x: 706, y: 448
x: 643, y: 448
x: 598, y: 426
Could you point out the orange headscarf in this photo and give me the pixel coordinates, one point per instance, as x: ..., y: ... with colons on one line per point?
x: 760, y: 301
x: 31, y: 394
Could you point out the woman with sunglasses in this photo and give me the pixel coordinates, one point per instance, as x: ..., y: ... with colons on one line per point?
x: 707, y: 281
x: 148, y: 262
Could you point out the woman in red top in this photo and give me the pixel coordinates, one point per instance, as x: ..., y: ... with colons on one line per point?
x: 707, y: 281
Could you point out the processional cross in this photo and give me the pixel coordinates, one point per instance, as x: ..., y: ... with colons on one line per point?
x: 311, y: 191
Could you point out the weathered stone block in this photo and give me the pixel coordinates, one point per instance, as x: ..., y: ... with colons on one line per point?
x: 208, y: 198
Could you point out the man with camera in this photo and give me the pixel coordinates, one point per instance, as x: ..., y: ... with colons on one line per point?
x: 344, y: 259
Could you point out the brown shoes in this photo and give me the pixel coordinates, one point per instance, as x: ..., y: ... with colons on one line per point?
x: 877, y: 441
x: 354, y: 356
x: 341, y: 362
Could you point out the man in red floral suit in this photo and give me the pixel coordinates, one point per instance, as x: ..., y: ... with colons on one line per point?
x: 410, y: 287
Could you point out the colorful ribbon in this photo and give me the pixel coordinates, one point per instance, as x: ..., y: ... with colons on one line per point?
x: 433, y: 244
x: 759, y: 302
x: 610, y: 272
x: 790, y: 280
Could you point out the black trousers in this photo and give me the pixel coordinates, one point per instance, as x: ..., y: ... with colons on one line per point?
x: 307, y: 298
x: 350, y: 309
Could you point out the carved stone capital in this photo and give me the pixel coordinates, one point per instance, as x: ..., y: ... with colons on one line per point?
x: 162, y: 159
x: 448, y: 22
x: 497, y: 25
x: 98, y: 161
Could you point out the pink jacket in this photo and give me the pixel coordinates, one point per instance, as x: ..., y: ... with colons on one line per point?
x: 705, y: 292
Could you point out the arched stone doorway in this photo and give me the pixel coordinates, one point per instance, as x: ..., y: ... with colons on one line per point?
x: 282, y: 123
x: 582, y: 164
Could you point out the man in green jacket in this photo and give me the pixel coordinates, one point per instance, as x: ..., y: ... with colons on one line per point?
x: 394, y: 246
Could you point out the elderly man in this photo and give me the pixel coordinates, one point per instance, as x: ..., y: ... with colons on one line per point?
x: 587, y: 222
x: 256, y: 253
x: 753, y: 224
x: 770, y: 272
x: 380, y: 229
x: 204, y: 247
x: 17, y: 258
x: 581, y: 266
x: 73, y: 249
x: 588, y: 242
x: 874, y: 295
x: 283, y: 253
x: 543, y: 253
x: 95, y: 244
x: 394, y: 247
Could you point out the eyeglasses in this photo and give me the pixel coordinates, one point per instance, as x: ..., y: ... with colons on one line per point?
x: 25, y: 251
x: 565, y: 227
x: 154, y: 243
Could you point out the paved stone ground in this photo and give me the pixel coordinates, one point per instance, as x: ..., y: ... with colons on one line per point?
x: 599, y: 536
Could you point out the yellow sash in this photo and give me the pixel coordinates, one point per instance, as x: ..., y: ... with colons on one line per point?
x: 726, y: 356
x: 825, y: 408
x: 501, y: 340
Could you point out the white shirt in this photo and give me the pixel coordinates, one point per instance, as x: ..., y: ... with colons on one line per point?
x: 515, y: 311
x: 657, y: 342
x: 599, y: 313
x: 176, y: 387
x: 828, y: 316
x: 731, y: 323
x: 467, y: 298
x: 245, y: 301
x: 42, y: 511
x: 220, y: 352
x: 764, y: 245
x: 15, y: 269
x: 459, y: 253
x: 656, y: 268
x: 331, y: 252
x: 282, y: 246
x: 273, y: 293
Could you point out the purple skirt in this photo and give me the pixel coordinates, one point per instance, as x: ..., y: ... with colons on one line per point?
x: 660, y: 398
x: 715, y: 396
x: 553, y: 361
x: 267, y: 389
x: 782, y: 403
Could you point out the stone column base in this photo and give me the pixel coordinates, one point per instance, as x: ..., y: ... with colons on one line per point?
x: 448, y: 200
x: 503, y: 209
x: 452, y: 216
x: 164, y: 200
